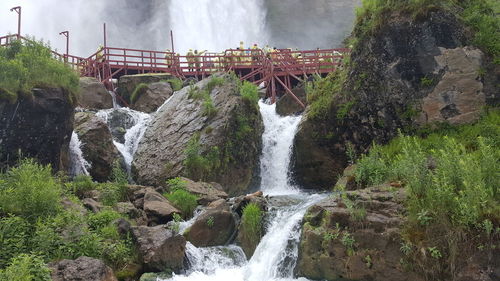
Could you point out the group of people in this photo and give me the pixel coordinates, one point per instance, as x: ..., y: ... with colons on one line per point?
x: 203, y: 61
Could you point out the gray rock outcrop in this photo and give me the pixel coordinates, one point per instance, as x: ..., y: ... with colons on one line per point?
x: 81, y: 269
x: 97, y: 145
x: 39, y: 127
x: 224, y: 143
x: 206, y: 192
x: 152, y: 97
x: 158, y: 209
x: 215, y: 227
x: 93, y: 94
x: 159, y: 248
x: 128, y: 83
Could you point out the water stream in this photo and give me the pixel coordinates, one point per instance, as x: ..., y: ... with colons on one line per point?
x: 276, y: 255
x: 78, y: 164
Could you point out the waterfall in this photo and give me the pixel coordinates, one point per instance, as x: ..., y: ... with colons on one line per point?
x: 277, y: 142
x: 276, y: 255
x: 217, y: 25
x: 78, y: 164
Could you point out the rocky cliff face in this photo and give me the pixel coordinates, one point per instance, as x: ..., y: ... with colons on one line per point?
x: 409, y: 73
x: 39, y: 127
x: 221, y: 132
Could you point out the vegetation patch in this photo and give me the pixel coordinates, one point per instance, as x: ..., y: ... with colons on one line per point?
x: 200, y: 166
x: 250, y: 93
x: 183, y: 200
x: 139, y: 90
x: 451, y: 176
x: 322, y: 91
x: 29, y: 64
x: 175, y: 83
x: 251, y: 223
x: 215, y: 81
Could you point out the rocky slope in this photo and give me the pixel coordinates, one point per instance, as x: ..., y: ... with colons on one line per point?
x: 213, y: 138
x: 408, y: 73
x: 38, y: 126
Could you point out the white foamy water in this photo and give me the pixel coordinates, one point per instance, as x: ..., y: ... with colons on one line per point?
x: 133, y: 135
x: 276, y: 255
x: 78, y: 164
x: 217, y: 25
x: 277, y: 142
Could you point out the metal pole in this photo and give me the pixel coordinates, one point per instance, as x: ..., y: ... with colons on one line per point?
x: 172, y: 41
x: 105, y: 45
x: 18, y: 11
x: 66, y: 34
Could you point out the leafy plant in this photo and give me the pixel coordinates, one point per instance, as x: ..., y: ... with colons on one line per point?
x: 176, y: 84
x: 139, y: 90
x: 251, y: 223
x: 26, y: 267
x: 30, y: 191
x: 215, y: 81
x: 176, y: 183
x: 249, y: 92
x: 209, y: 109
x: 184, y: 201
x: 210, y: 221
x: 200, y: 166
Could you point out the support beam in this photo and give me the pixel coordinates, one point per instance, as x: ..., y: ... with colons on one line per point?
x: 18, y: 11
x: 289, y: 92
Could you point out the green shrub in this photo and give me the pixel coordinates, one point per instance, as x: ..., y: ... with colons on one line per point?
x: 249, y: 92
x: 176, y: 183
x: 26, y: 268
x: 118, y: 175
x: 97, y: 221
x: 209, y: 109
x: 14, y: 238
x: 214, y: 82
x: 139, y: 90
x: 321, y: 92
x: 81, y: 185
x: 184, y: 201
x: 112, y: 193
x: 251, y: 223
x: 200, y: 166
x: 175, y: 83
x: 30, y: 191
x: 30, y: 64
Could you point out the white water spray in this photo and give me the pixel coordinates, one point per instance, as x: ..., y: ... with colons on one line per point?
x: 217, y: 25
x: 277, y: 142
x: 276, y: 255
x: 78, y: 166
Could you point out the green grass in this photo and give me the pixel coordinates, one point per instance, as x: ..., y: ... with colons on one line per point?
x: 480, y: 15
x: 139, y: 90
x: 251, y: 223
x: 321, y: 93
x: 175, y: 83
x: 451, y: 177
x: 215, y: 81
x: 26, y: 267
x: 29, y: 190
x: 200, y: 166
x: 249, y: 92
x: 30, y: 64
x: 184, y: 201
x: 209, y: 109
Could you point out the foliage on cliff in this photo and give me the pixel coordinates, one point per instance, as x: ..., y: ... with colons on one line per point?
x: 28, y: 64
x: 451, y: 177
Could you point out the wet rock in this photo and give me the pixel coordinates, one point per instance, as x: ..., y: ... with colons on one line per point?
x: 215, y: 227
x: 38, y: 127
x: 206, y: 192
x: 119, y: 121
x: 159, y: 248
x: 123, y: 227
x: 97, y: 145
x: 93, y: 94
x: 128, y: 209
x: 158, y: 209
x: 128, y: 83
x: 81, y: 269
x: 240, y: 202
x: 286, y: 105
x: 230, y: 136
x: 348, y: 179
x: 152, y: 96
x: 360, y: 243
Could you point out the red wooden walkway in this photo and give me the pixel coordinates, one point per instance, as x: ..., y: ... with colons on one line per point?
x: 279, y: 70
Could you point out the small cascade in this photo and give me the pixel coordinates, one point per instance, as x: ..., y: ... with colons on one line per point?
x: 133, y: 122
x: 277, y: 142
x: 113, y: 96
x: 78, y: 164
x: 276, y: 255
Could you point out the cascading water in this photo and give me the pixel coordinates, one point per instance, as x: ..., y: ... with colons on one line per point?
x: 78, y: 164
x: 276, y: 254
x: 217, y: 25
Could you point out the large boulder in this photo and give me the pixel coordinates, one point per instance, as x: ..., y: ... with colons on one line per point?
x: 128, y: 83
x: 97, y: 145
x: 359, y: 243
x: 407, y: 74
x: 223, y: 141
x: 287, y: 105
x: 159, y: 248
x: 215, y: 227
x: 206, y: 192
x: 93, y: 94
x: 81, y: 269
x: 158, y: 209
x: 38, y: 126
x: 151, y: 96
